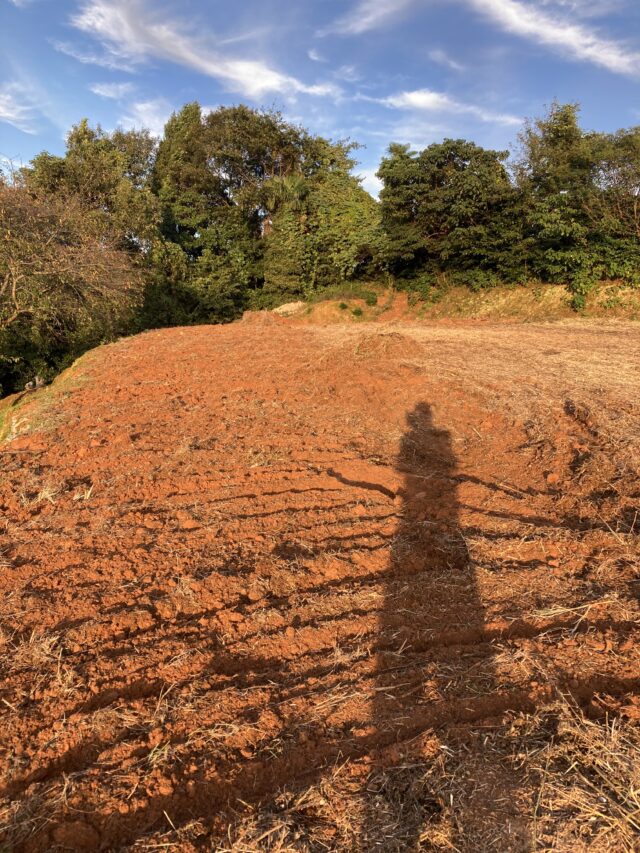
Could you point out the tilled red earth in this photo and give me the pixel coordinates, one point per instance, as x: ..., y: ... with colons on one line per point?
x: 264, y: 586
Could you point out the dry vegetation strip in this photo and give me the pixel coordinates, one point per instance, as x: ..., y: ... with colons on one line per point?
x: 280, y: 587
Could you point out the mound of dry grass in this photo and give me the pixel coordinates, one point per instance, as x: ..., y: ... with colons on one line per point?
x: 587, y: 775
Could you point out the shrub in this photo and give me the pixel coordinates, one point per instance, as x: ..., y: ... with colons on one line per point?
x: 64, y: 283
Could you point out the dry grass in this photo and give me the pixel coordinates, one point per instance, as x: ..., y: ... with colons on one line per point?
x: 46, y: 494
x: 83, y: 494
x: 41, y: 654
x: 260, y: 458
x: 390, y: 810
x: 583, y: 792
x: 589, y: 797
x: 21, y: 819
x: 37, y: 652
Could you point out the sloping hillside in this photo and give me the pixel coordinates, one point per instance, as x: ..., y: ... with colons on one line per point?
x: 274, y: 586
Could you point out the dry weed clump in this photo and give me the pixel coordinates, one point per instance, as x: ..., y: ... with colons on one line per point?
x: 392, y: 810
x: 589, y: 780
x: 36, y: 652
x: 22, y: 819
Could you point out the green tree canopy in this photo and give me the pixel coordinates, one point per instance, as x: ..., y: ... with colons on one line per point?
x: 445, y: 208
x: 110, y: 174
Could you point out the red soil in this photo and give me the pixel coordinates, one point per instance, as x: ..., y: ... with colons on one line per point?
x: 237, y: 558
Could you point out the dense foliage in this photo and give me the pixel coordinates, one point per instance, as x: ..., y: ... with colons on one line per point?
x: 238, y: 208
x: 65, y: 283
x: 243, y: 195
x: 567, y: 212
x: 232, y: 209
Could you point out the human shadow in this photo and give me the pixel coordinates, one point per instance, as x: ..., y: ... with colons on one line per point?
x: 398, y: 679
x: 434, y: 668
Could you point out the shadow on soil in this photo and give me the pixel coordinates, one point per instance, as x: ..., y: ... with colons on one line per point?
x: 426, y: 677
x: 418, y: 736
x: 433, y: 669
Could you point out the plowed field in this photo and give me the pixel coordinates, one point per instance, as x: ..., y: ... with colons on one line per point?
x: 288, y: 587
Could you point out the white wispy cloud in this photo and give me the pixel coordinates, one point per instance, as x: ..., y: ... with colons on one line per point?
x: 150, y: 115
x: 116, y: 91
x: 22, y: 4
x: 366, y: 15
x: 557, y: 24
x: 130, y: 31
x: 426, y: 100
x: 17, y: 107
x: 257, y: 34
x: 315, y: 55
x: 442, y: 58
x: 349, y: 73
x: 103, y: 60
x: 586, y: 8
x: 575, y: 40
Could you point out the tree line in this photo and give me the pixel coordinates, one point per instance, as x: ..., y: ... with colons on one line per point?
x: 238, y: 208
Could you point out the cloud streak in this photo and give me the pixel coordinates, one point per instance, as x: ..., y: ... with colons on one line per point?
x: 17, y: 107
x: 365, y: 16
x: 441, y: 57
x: 573, y: 39
x: 535, y: 22
x: 428, y: 101
x: 111, y: 61
x: 115, y: 91
x: 129, y: 31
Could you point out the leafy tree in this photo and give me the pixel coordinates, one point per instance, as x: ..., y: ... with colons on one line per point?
x: 241, y: 192
x: 555, y: 174
x: 403, y: 188
x: 110, y: 174
x: 289, y: 269
x: 64, y: 282
x: 569, y: 212
x: 326, y: 231
x: 228, y: 269
x: 447, y: 208
x: 249, y: 148
x: 555, y: 156
x: 612, y: 208
x: 230, y: 158
x: 188, y: 190
x: 580, y: 191
x: 349, y: 238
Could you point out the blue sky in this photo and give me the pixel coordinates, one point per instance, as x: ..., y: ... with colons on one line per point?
x: 377, y: 71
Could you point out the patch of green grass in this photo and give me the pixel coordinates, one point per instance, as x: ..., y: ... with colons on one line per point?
x: 39, y: 418
x: 357, y: 312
